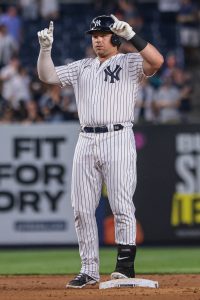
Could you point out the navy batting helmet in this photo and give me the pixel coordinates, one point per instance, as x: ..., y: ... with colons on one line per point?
x: 103, y: 24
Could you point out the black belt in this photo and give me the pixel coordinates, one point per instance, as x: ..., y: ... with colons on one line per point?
x: 101, y: 129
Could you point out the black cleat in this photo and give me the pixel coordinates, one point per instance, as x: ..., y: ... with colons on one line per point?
x: 125, y: 262
x: 80, y: 281
x: 121, y: 273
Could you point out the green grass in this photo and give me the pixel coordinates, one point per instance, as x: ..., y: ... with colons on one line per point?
x: 67, y: 261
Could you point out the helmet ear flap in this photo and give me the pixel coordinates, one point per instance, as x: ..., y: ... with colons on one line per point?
x: 115, y: 40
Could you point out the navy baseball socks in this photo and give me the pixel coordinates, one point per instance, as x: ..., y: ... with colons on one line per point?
x: 125, y: 262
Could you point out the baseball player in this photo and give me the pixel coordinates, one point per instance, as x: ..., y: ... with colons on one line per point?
x: 105, y: 88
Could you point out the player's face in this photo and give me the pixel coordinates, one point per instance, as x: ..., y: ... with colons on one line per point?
x: 102, y: 45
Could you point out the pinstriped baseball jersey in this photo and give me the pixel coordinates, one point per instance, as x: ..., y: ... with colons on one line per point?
x: 105, y: 93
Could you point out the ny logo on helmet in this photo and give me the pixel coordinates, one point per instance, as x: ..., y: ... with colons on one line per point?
x: 113, y: 74
x: 97, y: 23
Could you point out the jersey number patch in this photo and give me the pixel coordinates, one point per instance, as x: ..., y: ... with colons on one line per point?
x: 114, y: 75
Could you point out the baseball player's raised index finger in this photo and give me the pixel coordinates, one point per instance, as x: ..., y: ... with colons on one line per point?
x: 114, y: 18
x: 51, y: 26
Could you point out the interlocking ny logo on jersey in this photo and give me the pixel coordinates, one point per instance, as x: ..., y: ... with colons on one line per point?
x: 114, y: 75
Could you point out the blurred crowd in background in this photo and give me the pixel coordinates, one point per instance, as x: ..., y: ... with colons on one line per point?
x: 170, y: 96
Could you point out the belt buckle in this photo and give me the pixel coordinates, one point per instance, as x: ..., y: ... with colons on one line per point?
x: 116, y: 127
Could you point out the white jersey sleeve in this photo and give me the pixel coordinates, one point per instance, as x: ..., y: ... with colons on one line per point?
x: 135, y: 67
x: 68, y: 74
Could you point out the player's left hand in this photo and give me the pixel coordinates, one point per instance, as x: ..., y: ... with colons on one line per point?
x: 122, y: 28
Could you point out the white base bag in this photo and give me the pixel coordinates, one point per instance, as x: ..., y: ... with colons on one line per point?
x: 128, y: 283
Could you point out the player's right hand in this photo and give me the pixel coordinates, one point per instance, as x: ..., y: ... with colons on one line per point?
x: 45, y: 37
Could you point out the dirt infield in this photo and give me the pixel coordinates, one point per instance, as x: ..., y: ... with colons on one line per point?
x: 53, y: 288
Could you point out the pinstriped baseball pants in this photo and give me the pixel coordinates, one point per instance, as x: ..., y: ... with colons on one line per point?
x: 111, y: 158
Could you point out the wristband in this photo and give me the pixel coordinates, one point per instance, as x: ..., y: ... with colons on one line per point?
x: 138, y: 42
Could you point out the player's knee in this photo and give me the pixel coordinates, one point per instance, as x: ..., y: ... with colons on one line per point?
x: 82, y: 218
x: 124, y: 217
